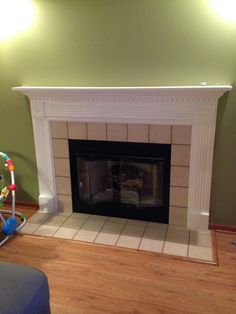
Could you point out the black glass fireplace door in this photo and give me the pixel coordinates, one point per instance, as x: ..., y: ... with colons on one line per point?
x: 107, y: 182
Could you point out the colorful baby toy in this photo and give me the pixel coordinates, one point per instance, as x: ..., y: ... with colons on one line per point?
x: 8, y: 218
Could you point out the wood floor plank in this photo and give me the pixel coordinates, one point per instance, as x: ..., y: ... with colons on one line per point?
x: 88, y: 278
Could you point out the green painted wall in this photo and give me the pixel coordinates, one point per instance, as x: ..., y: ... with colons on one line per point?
x: 121, y: 43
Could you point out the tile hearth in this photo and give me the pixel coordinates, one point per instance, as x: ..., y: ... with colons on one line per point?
x: 127, y: 233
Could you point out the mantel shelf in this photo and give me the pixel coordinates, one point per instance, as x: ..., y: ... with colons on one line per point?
x: 137, y: 90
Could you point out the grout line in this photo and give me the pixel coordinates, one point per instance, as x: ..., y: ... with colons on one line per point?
x: 66, y: 177
x: 67, y: 158
x: 46, y: 225
x: 164, y: 241
x: 67, y: 130
x: 80, y: 227
x: 188, y: 243
x: 56, y: 231
x: 121, y: 233
x: 142, y: 235
x: 66, y: 220
x: 76, y: 233
x: 48, y: 215
x: 181, y: 144
x: 36, y: 229
x: 43, y: 224
x: 100, y: 230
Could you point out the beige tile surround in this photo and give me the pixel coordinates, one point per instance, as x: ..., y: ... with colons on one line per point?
x: 178, y: 136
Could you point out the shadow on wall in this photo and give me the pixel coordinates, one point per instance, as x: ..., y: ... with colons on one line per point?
x: 223, y: 176
x: 221, y: 110
x: 22, y: 195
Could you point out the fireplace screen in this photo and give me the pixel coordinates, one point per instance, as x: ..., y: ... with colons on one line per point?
x: 126, y: 182
x: 131, y: 182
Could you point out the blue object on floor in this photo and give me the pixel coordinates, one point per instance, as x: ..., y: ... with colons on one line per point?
x: 10, y: 226
x: 24, y: 290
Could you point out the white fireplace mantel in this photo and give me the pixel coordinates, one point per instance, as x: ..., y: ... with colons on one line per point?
x: 168, y: 105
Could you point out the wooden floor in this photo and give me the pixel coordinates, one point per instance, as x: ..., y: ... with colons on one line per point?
x: 89, y: 278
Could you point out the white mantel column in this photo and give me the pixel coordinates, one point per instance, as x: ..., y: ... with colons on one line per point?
x: 201, y: 162
x: 44, y: 153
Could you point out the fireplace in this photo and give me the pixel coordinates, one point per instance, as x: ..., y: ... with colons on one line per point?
x: 121, y: 179
x: 126, y: 107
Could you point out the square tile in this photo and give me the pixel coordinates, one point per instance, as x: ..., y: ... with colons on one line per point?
x: 74, y: 222
x: 151, y: 245
x: 160, y: 134
x: 204, y: 253
x: 63, y: 186
x: 77, y: 130
x: 133, y: 230
x: 93, y: 225
x: 60, y: 148
x: 131, y: 242
x: 62, y: 167
x: 107, y: 238
x: 199, y: 239
x: 179, y: 176
x: 86, y: 235
x: 64, y: 204
x: 55, y: 220
x: 178, y: 228
x: 65, y: 233
x: 131, y: 236
x: 97, y: 131
x: 38, y: 218
x: 180, y: 155
x: 151, y: 233
x: 178, y: 196
x: 29, y: 228
x: 59, y: 129
x: 177, y: 236
x: 181, y: 134
x: 138, y: 133
x: 46, y: 230
x: 112, y: 227
x: 178, y: 216
x: 117, y: 132
x: 173, y: 248
x: 157, y: 225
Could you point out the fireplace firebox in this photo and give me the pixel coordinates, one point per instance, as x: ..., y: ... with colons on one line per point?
x: 121, y: 179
